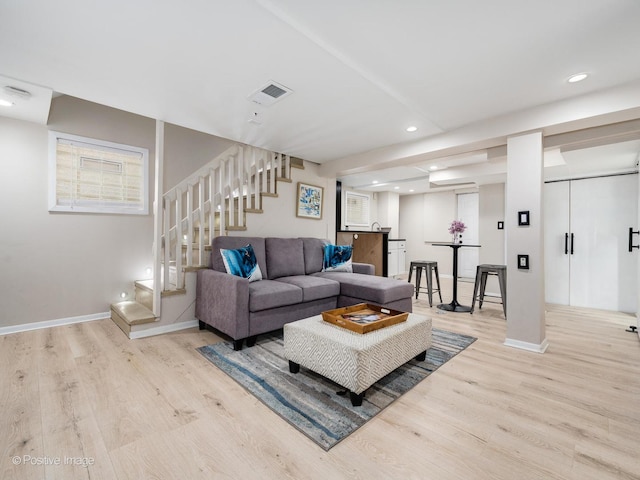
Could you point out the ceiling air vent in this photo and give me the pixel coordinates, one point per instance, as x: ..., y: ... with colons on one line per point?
x: 270, y: 94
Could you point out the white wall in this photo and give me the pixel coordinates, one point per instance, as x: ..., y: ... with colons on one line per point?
x: 388, y: 212
x: 423, y: 213
x: 426, y: 218
x: 492, y: 207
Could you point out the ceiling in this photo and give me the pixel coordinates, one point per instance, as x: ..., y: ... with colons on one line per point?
x: 360, y: 71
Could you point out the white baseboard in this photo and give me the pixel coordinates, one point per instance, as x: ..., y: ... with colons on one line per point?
x: 531, y: 347
x: 173, y: 327
x: 25, y: 327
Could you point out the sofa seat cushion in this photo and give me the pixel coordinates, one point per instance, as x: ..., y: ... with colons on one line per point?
x: 313, y: 288
x: 377, y: 290
x: 271, y: 294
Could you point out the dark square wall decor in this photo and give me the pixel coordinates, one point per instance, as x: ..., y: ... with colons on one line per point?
x: 523, y: 218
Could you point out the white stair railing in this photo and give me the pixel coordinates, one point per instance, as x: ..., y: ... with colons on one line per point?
x: 211, y: 202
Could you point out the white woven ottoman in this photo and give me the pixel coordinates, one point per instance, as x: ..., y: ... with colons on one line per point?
x: 354, y: 360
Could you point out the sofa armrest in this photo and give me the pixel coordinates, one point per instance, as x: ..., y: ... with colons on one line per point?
x: 366, y: 268
x: 222, y: 301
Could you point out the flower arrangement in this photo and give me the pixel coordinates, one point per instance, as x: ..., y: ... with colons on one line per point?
x: 456, y: 228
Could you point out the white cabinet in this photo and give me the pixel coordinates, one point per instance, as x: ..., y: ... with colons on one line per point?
x: 397, y: 256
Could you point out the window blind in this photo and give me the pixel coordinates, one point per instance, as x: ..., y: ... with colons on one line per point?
x: 357, y: 209
x: 99, y: 177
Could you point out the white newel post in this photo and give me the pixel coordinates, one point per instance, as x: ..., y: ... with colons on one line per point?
x: 157, y: 219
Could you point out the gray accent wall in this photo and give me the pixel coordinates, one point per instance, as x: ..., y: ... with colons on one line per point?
x: 56, y: 267
x: 62, y: 265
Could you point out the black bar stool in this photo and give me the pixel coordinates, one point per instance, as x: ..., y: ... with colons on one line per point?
x: 430, y: 268
x: 484, y: 270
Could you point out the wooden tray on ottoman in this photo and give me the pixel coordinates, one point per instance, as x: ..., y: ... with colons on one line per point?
x: 364, y: 317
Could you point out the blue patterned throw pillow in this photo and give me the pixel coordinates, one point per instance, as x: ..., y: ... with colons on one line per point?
x: 242, y: 263
x: 337, y: 258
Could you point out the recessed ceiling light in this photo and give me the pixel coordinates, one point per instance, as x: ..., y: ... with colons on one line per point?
x: 411, y: 190
x: 433, y: 167
x: 374, y: 182
x: 412, y: 128
x: 396, y: 188
x: 578, y: 77
x: 5, y: 103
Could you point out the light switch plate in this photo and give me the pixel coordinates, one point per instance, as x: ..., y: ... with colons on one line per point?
x: 523, y: 262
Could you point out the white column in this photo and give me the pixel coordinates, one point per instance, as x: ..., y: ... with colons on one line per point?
x: 525, y: 287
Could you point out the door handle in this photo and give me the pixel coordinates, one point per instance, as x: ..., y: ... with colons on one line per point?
x: 572, y: 244
x: 566, y: 243
x: 631, y: 234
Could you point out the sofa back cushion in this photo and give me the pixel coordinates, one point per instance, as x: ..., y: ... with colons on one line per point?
x: 313, y: 254
x: 285, y: 257
x: 233, y: 243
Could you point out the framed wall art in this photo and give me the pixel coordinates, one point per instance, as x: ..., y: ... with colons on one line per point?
x: 309, y: 201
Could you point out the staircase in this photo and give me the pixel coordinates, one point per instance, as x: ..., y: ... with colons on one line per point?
x: 216, y: 199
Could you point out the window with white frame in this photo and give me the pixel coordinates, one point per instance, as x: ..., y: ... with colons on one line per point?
x: 87, y: 175
x: 357, y: 209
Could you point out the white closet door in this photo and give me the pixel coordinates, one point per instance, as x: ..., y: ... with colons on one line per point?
x: 556, y: 233
x: 469, y: 213
x: 636, y: 241
x: 603, y: 272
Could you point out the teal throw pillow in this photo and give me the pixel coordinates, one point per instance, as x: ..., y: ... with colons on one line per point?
x: 337, y: 258
x: 242, y: 263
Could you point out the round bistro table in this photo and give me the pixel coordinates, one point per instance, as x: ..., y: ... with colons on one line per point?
x: 454, y: 306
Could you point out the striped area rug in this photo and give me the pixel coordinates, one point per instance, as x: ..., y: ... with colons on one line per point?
x: 310, y: 402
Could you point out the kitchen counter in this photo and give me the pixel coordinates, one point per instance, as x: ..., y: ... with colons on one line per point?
x: 368, y: 247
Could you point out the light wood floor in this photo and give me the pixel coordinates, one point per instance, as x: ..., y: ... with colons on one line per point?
x: 155, y: 409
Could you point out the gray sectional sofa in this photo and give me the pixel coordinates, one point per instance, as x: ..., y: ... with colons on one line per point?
x: 293, y: 287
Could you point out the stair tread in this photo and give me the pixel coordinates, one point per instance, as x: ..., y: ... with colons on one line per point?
x: 148, y: 284
x: 133, y: 313
x: 145, y: 284
x: 207, y: 248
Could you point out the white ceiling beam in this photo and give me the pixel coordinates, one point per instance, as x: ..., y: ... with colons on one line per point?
x: 590, y: 110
